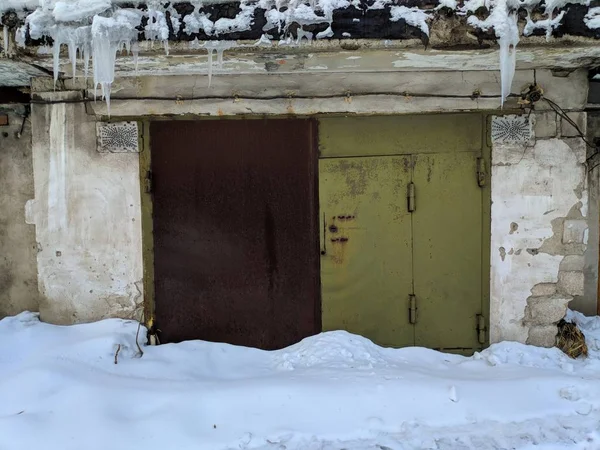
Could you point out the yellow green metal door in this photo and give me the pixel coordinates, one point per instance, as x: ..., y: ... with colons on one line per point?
x: 366, y: 263
x: 447, y: 250
x: 401, y: 247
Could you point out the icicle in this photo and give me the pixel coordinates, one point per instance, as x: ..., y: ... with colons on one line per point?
x: 506, y: 29
x: 507, y: 66
x: 135, y: 50
x: 210, y: 65
x: 86, y: 60
x: 219, y: 47
x: 72, y: 47
x: 5, y: 33
x: 104, y: 53
x: 106, y: 89
x: 20, y: 36
x: 220, y: 57
x: 166, y: 45
x: 55, y: 60
x: 508, y: 56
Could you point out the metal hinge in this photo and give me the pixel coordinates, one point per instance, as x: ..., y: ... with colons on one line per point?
x: 148, y: 182
x: 410, y: 197
x: 412, y: 309
x: 481, y: 173
x: 481, y: 328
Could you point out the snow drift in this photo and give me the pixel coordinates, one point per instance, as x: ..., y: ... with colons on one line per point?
x: 61, y: 389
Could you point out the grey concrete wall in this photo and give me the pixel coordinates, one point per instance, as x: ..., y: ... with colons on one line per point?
x: 18, y: 249
x: 87, y: 214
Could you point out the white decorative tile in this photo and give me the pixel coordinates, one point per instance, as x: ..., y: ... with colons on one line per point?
x: 511, y: 129
x: 117, y: 137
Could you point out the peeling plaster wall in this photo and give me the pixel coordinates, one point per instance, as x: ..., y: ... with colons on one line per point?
x: 18, y: 272
x: 87, y: 216
x: 539, y: 231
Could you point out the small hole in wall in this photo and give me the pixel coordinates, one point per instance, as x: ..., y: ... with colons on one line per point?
x: 5, y: 134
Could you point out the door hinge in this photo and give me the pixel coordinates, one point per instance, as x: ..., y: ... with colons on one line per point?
x: 481, y: 173
x: 410, y: 196
x: 148, y: 182
x: 481, y: 328
x: 412, y: 309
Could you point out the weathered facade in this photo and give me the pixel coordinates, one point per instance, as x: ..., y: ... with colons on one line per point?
x: 516, y: 243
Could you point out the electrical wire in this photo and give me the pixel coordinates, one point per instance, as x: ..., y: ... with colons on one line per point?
x: 562, y: 114
x: 571, y: 122
x: 271, y: 97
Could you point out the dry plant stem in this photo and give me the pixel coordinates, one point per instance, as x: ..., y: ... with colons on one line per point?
x: 117, y: 353
x: 137, y: 335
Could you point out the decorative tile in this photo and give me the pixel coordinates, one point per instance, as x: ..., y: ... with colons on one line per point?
x: 511, y: 129
x: 117, y: 137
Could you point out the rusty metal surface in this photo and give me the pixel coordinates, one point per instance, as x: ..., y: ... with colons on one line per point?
x: 235, y: 232
x: 366, y: 265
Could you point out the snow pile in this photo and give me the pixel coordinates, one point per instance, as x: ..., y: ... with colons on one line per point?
x: 61, y: 389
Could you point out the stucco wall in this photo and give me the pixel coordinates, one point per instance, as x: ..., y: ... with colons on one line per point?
x: 18, y: 271
x: 86, y: 213
x: 539, y: 231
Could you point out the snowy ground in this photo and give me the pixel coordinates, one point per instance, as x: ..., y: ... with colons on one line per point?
x: 60, y: 389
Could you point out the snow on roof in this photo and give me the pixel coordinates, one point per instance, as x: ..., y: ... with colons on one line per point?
x: 6, y: 5
x: 99, y: 28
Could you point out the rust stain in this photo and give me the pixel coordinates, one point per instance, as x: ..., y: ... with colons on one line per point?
x: 220, y: 112
x: 341, y: 239
x: 290, y: 108
x: 356, y: 177
x: 338, y: 250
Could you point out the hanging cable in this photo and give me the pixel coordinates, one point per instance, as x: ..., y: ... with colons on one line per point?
x: 571, y: 122
x: 535, y: 93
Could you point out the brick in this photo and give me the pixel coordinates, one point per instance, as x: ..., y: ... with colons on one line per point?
x: 546, y: 310
x: 544, y: 336
x: 571, y: 283
x: 574, y: 231
x: 543, y: 289
x: 546, y: 125
x: 567, y: 130
x: 572, y: 263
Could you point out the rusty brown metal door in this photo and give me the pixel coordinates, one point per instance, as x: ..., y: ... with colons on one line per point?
x: 235, y: 231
